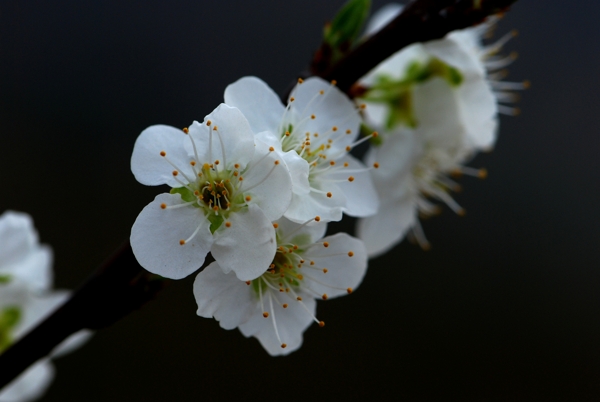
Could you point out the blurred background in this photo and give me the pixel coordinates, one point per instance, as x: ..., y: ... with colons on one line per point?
x: 504, y: 307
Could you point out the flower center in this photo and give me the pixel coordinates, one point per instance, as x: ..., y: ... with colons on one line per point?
x: 397, y: 93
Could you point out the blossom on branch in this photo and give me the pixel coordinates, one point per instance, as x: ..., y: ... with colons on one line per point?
x: 26, y: 298
x: 435, y: 106
x: 278, y: 306
x: 227, y: 188
x: 314, y: 133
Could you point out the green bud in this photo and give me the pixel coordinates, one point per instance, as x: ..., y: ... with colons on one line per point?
x: 347, y: 24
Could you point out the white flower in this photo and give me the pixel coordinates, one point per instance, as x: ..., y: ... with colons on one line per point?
x: 434, y: 105
x: 314, y: 133
x: 22, y: 257
x: 227, y: 188
x: 279, y: 305
x: 467, y: 44
x: 25, y: 299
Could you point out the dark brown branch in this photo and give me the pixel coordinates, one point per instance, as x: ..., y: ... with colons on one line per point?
x: 420, y: 21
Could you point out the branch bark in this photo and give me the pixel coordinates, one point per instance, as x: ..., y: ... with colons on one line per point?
x: 419, y: 21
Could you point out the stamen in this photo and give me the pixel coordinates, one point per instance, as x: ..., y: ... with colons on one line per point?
x: 316, y: 218
x: 185, y: 204
x: 510, y: 111
x: 283, y: 345
x: 417, y: 231
x: 299, y: 300
x: 222, y: 147
x: 177, y: 169
x: 260, y: 182
x: 510, y: 86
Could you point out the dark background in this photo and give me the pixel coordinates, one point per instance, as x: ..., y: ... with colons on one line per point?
x: 505, y: 307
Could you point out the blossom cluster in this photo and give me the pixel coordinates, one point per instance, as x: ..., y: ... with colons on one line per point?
x: 256, y: 181
x: 26, y: 297
x: 436, y: 106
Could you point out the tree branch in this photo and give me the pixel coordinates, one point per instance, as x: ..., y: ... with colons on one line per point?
x: 420, y: 21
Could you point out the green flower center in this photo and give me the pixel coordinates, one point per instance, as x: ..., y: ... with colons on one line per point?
x: 398, y: 93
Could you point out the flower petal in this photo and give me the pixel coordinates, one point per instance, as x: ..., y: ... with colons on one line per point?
x: 247, y: 246
x: 29, y: 385
x: 147, y: 164
x: 156, y: 234
x: 479, y: 111
x: 452, y: 50
x: 224, y: 297
x: 21, y: 255
x: 268, y: 180
x: 381, y: 232
x: 360, y: 193
x: 73, y: 342
x: 299, y: 234
x: 333, y: 108
x: 36, y: 308
x: 382, y: 17
x: 299, y: 171
x: 306, y: 207
x: 291, y: 323
x: 229, y: 132
x: 259, y: 103
x: 345, y: 258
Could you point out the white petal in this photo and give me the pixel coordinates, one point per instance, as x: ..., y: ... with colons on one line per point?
x: 439, y: 120
x: 333, y: 108
x: 30, y: 385
x: 37, y: 308
x: 346, y: 261
x: 361, y: 196
x: 156, y: 234
x: 259, y: 103
x: 224, y: 297
x: 454, y: 52
x: 36, y: 269
x: 233, y: 135
x: 299, y: 170
x: 478, y: 109
x: 147, y: 164
x: 21, y: 256
x: 299, y: 234
x: 383, y: 231
x: 397, y: 157
x: 269, y: 138
x: 268, y: 179
x: 382, y: 17
x: 247, y: 246
x: 306, y: 207
x: 396, y: 65
x: 291, y: 323
x: 73, y: 342
x: 17, y: 236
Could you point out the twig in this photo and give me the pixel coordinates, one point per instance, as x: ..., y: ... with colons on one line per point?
x: 420, y: 21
